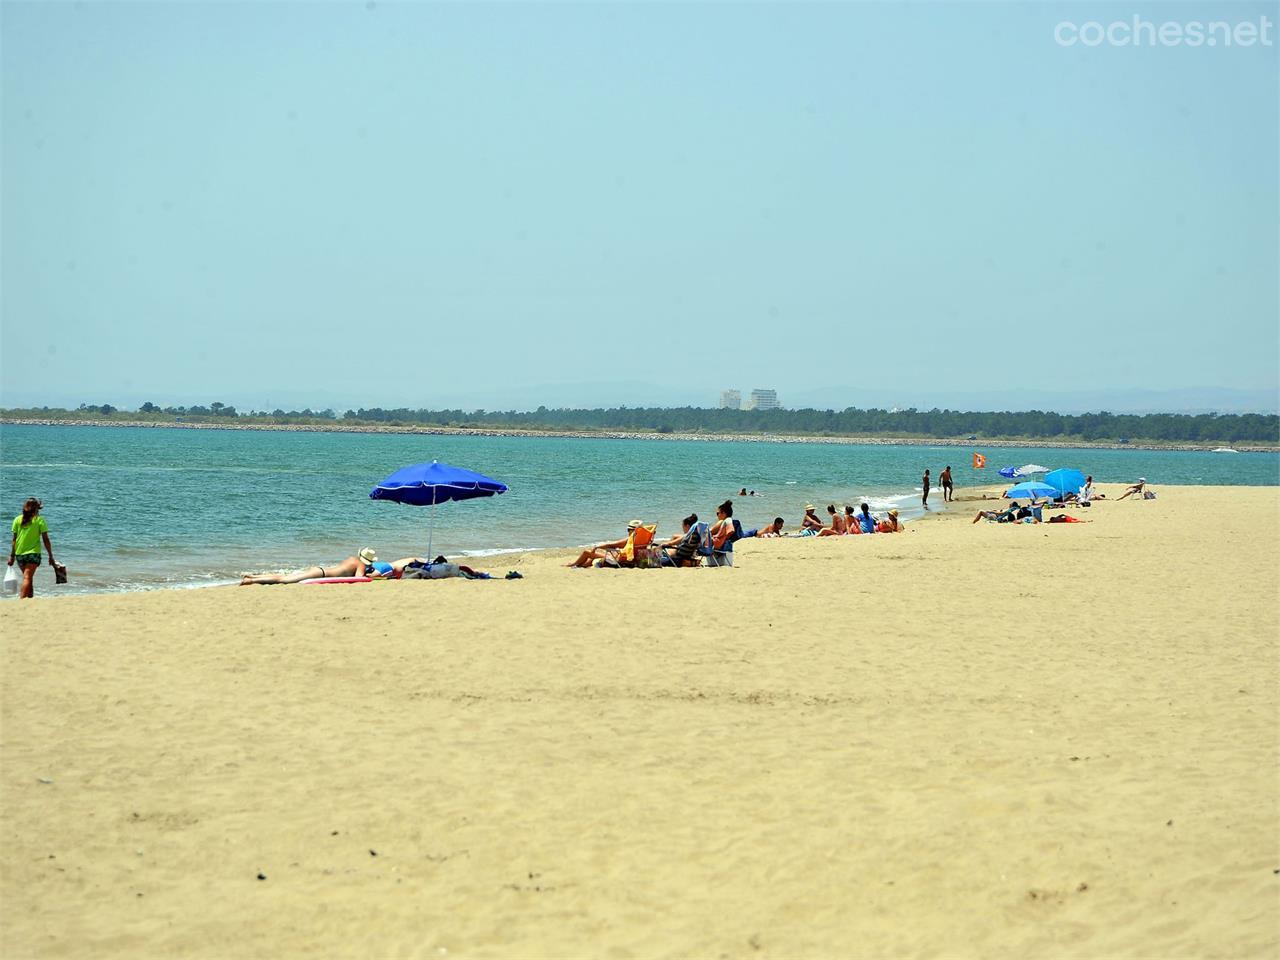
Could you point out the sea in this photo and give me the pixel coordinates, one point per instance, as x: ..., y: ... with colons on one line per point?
x: 170, y: 508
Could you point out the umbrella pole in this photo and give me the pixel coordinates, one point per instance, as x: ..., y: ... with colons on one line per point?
x: 430, y: 529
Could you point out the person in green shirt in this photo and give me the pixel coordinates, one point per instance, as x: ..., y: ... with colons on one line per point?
x: 28, y: 530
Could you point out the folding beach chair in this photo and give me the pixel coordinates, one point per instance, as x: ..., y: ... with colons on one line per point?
x: 635, y: 552
x: 690, y: 547
x: 724, y: 556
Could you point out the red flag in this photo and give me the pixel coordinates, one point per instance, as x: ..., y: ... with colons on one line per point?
x: 979, y: 461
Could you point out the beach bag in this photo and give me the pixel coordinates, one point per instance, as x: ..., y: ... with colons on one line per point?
x: 10, y: 580
x: 59, y: 573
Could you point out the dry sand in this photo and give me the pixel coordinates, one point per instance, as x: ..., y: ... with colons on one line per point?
x: 967, y: 741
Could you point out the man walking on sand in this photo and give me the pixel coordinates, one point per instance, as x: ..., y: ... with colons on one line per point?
x: 924, y: 483
x: 948, y: 493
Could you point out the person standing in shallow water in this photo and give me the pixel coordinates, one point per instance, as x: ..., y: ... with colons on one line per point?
x: 948, y: 491
x: 28, y: 530
x: 924, y: 497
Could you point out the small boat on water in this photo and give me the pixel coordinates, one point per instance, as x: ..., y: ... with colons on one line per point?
x: 1224, y: 450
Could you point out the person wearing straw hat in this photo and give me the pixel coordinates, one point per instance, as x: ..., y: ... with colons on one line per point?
x: 890, y: 524
x: 600, y: 550
x: 810, y: 524
x: 361, y: 565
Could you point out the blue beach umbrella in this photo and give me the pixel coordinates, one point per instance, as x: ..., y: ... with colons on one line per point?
x: 1065, y: 481
x: 430, y: 483
x: 1032, y: 489
x: 1024, y: 471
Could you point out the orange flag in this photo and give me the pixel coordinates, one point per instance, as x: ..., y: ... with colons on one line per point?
x: 979, y: 461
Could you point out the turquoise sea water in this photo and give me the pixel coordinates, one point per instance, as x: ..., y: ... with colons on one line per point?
x: 138, y: 508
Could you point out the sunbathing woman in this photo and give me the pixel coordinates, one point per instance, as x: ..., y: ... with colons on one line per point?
x: 683, y: 548
x: 600, y: 550
x: 999, y: 516
x: 810, y: 520
x: 381, y: 570
x: 889, y: 525
x: 773, y: 529
x: 839, y: 525
x: 1138, y: 489
x: 351, y: 567
x: 722, y: 530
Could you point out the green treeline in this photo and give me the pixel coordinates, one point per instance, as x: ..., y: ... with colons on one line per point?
x: 941, y: 424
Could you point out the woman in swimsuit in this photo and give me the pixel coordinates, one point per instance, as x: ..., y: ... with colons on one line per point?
x: 773, y: 529
x: 839, y: 525
x: 722, y: 529
x: 889, y: 525
x: 351, y: 567
x: 589, y: 556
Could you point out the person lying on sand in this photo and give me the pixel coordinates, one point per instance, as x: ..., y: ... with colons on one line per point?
x: 1137, y: 489
x: 600, y: 550
x: 999, y: 516
x: 356, y: 566
x: 1015, y: 514
x: 381, y: 570
x: 773, y: 529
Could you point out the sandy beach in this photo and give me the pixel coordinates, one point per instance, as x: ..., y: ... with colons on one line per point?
x: 960, y: 741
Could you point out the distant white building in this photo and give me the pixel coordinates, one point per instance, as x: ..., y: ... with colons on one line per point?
x: 730, y: 400
x: 763, y: 400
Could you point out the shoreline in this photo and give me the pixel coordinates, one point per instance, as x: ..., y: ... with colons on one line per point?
x: 640, y: 435
x: 202, y: 579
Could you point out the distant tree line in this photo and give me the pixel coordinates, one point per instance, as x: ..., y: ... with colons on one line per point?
x: 1235, y: 428
x: 1033, y: 424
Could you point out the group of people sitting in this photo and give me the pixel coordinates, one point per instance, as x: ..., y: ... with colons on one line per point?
x: 713, y: 542
x: 847, y: 524
x: 696, y: 541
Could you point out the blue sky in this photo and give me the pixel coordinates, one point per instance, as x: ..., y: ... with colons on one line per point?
x: 510, y: 204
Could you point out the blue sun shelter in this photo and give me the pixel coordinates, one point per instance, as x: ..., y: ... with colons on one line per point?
x: 1031, y: 489
x: 427, y: 484
x: 1065, y: 481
